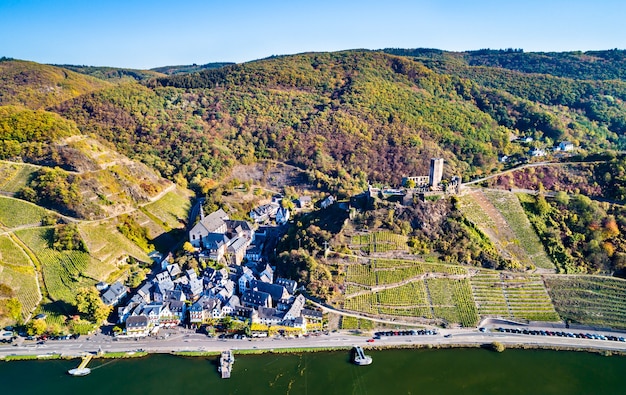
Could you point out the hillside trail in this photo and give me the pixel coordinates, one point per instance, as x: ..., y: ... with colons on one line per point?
x: 330, y: 309
x: 421, y: 277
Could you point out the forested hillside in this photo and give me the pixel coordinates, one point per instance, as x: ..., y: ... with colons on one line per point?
x: 348, y: 117
x: 37, y: 86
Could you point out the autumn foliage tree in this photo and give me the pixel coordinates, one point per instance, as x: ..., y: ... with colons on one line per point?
x: 88, y: 302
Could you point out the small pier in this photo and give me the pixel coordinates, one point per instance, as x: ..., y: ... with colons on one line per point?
x: 82, y: 369
x: 360, y: 358
x: 226, y: 363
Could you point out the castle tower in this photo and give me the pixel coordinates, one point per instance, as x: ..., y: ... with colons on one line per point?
x: 436, y: 172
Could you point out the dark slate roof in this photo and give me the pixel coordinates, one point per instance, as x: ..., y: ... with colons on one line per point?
x: 136, y: 321
x: 215, y: 241
x: 277, y: 291
x: 290, y: 285
x: 256, y: 298
x: 242, y: 311
x: 177, y: 306
x: 164, y: 276
x: 114, y: 293
x: 233, y: 301
x: 270, y: 313
x: 145, y: 289
x: 312, y: 313
x: 239, y: 225
x: 238, y: 244
x: 173, y: 270
x: 214, y: 220
x: 174, y: 294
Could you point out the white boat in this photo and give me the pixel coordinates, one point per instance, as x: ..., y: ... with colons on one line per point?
x: 79, y: 372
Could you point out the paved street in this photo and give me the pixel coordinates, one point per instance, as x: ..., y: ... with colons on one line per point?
x: 198, y: 342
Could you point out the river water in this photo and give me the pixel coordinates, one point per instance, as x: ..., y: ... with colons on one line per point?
x: 448, y: 371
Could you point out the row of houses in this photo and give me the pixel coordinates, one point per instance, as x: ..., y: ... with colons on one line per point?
x: 563, y: 146
x: 172, y: 297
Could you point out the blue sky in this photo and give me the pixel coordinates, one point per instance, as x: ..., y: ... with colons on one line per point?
x: 146, y: 34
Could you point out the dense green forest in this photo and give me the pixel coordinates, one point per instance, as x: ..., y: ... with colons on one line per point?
x: 28, y: 134
x: 589, y: 65
x: 191, y: 68
x: 112, y: 73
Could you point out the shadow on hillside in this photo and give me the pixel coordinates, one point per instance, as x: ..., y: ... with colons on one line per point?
x: 168, y: 240
x: 59, y: 307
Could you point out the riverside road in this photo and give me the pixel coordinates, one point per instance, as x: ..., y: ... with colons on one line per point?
x: 198, y: 342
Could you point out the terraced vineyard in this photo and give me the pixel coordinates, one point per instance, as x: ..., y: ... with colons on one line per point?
x: 62, y: 270
x: 517, y: 296
x: 509, y: 206
x: 500, y: 216
x: 17, y: 272
x: 398, y: 288
x: 489, y: 295
x: 380, y: 242
x: 171, y: 210
x: 14, y: 176
x: 14, y: 212
x: 356, y: 323
x: 590, y: 300
x: 107, y: 245
x: 452, y: 300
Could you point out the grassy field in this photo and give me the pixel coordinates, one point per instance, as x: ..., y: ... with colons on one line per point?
x: 509, y: 206
x: 171, y: 210
x: 14, y: 176
x: 590, y: 300
x: 17, y: 272
x: 63, y: 271
x: 14, y: 212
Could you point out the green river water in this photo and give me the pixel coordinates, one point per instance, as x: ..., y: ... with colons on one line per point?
x: 448, y: 371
